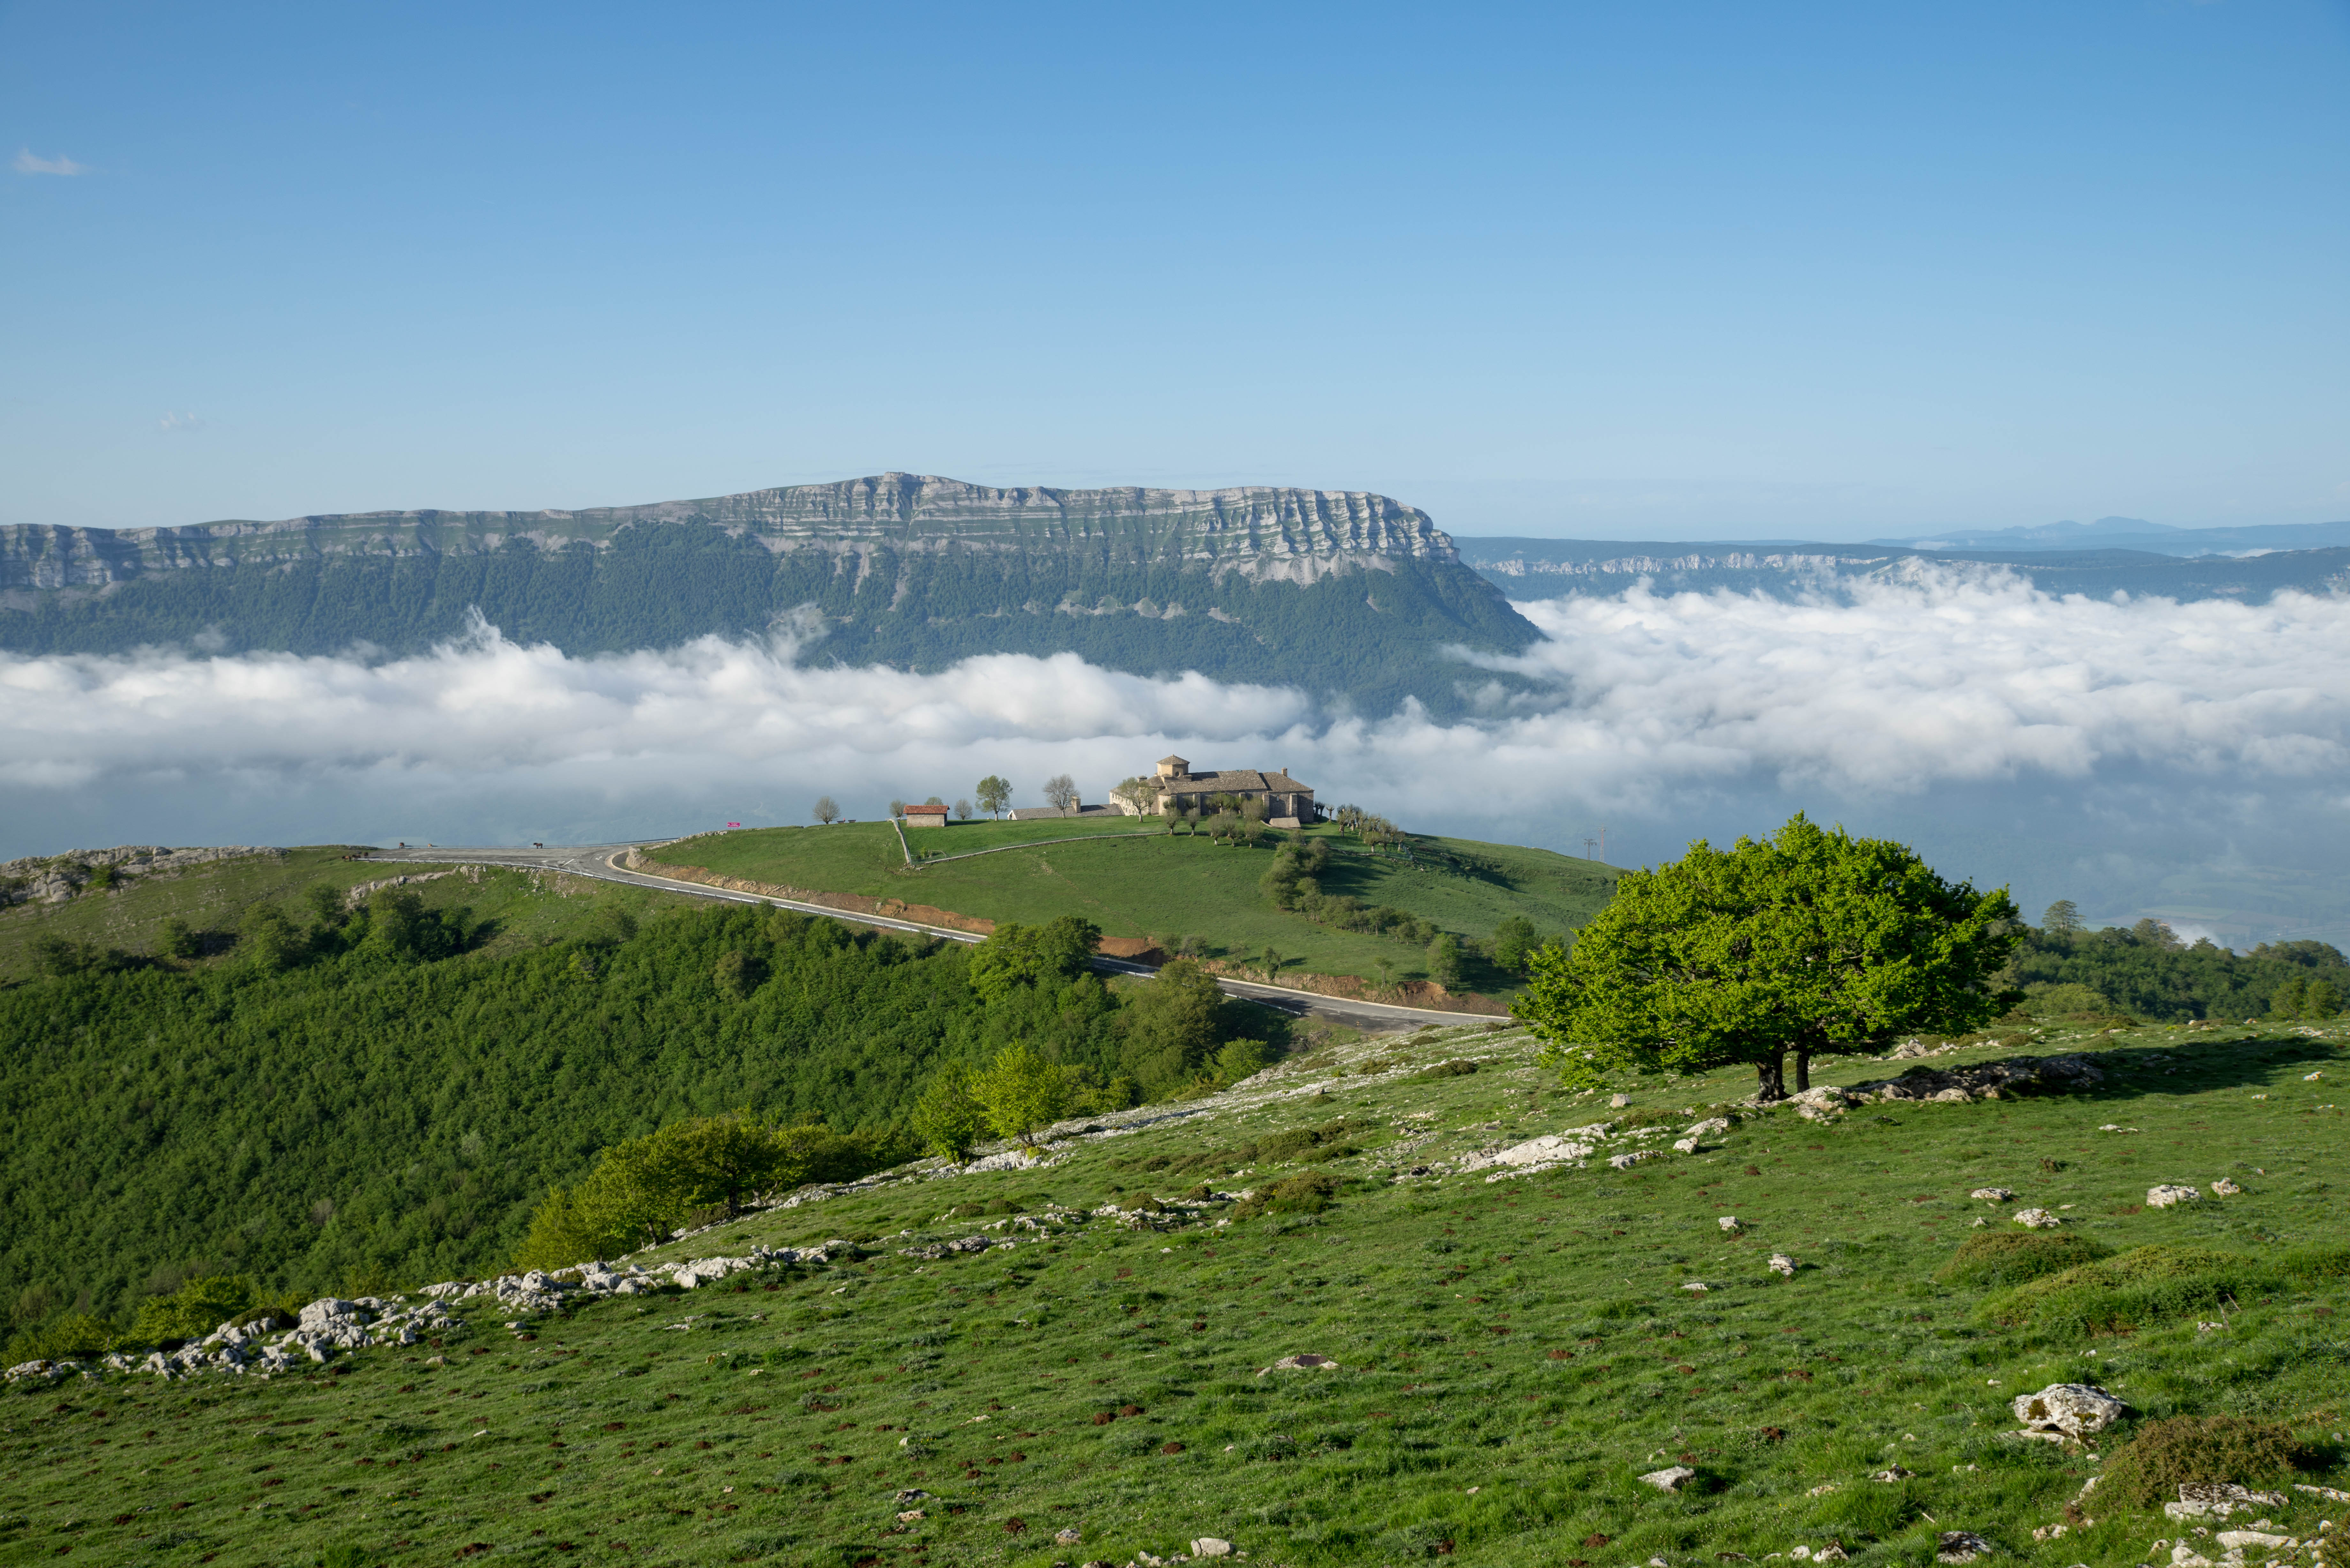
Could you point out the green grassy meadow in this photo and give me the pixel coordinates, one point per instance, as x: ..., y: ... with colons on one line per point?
x: 1154, y: 884
x: 523, y: 908
x: 1514, y: 1353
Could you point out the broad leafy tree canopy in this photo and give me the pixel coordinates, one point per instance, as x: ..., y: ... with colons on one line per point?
x: 1808, y: 941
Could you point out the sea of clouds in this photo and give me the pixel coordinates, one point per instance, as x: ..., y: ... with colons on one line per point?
x: 2132, y: 755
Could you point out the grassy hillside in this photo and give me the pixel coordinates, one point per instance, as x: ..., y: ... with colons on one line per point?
x: 1166, y: 888
x: 327, y: 1107
x: 520, y: 909
x: 1513, y: 1353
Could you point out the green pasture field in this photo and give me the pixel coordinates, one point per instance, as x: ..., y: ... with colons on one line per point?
x: 524, y: 908
x: 1165, y: 887
x: 1514, y: 1354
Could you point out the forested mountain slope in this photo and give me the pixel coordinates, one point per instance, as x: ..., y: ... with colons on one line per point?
x: 1339, y: 592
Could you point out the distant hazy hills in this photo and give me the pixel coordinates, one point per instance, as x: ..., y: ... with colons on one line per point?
x: 1344, y: 593
x: 2138, y: 533
x: 1552, y: 568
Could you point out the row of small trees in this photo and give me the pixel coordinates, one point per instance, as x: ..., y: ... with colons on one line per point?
x: 702, y: 1169
x: 993, y: 793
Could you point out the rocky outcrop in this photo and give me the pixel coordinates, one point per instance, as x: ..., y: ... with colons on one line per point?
x: 54, y: 878
x: 1982, y: 1081
x: 2075, y: 1409
x: 329, y: 1326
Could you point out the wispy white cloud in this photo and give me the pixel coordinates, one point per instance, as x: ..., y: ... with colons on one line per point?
x: 27, y: 162
x: 173, y: 423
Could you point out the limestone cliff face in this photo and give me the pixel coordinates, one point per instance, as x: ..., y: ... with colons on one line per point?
x: 1336, y: 591
x: 1264, y: 533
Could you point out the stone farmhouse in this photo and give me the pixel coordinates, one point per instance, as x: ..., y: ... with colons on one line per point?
x: 1287, y: 803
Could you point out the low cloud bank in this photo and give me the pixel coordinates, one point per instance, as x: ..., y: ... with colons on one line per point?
x: 1665, y: 715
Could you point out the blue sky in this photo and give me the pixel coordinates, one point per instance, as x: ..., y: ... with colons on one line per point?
x: 1669, y: 271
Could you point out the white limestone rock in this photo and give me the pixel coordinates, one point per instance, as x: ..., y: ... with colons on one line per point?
x: 1783, y: 1265
x: 2218, y: 1500
x: 1672, y: 1477
x: 1992, y: 1194
x: 2168, y: 1196
x: 2036, y: 1220
x: 2076, y: 1410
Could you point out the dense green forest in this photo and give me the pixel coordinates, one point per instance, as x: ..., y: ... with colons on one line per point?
x: 1374, y: 635
x: 356, y: 1100
x: 2147, y: 971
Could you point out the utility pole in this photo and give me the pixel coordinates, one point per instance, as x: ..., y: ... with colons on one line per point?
x: 1589, y: 843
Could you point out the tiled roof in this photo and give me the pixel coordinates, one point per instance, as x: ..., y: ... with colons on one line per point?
x: 925, y: 811
x: 1233, y: 781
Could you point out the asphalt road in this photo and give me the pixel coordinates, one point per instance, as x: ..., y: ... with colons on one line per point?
x: 599, y: 861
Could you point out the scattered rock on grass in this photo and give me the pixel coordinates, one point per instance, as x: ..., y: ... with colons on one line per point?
x: 1638, y: 1157
x: 1211, y: 1546
x: 1308, y: 1363
x: 2168, y: 1196
x: 1960, y: 1546
x: 1729, y: 1223
x: 1992, y: 1194
x: 1782, y: 1264
x: 2037, y: 1219
x: 2218, y: 1500
x: 2076, y: 1410
x: 2223, y: 1188
x: 1672, y: 1477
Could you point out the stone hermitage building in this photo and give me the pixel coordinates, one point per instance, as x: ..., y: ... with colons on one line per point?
x: 1287, y: 803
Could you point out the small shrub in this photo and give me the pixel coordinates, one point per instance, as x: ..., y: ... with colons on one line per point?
x: 2308, y: 1263
x: 1460, y: 1066
x: 1309, y: 1192
x: 2051, y: 999
x: 2151, y: 1468
x: 75, y: 1336
x: 2116, y: 1294
x: 2014, y: 1258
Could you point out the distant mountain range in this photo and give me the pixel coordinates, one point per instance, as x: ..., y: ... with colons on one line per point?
x: 1346, y: 594
x: 2137, y: 533
x: 1553, y: 569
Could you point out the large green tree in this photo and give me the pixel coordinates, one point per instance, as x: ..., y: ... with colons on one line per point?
x: 1808, y: 941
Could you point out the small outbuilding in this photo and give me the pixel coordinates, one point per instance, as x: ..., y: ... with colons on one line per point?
x: 926, y: 816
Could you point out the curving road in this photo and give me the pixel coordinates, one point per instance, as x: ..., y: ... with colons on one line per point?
x: 600, y: 861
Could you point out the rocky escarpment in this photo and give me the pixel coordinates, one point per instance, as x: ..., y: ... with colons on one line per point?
x: 54, y: 878
x: 1337, y: 592
x: 1270, y: 530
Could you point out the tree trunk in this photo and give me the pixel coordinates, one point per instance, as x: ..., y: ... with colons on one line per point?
x: 1771, y: 1073
x: 1803, y: 1070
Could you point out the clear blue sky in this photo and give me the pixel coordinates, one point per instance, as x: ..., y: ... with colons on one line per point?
x: 1677, y: 270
